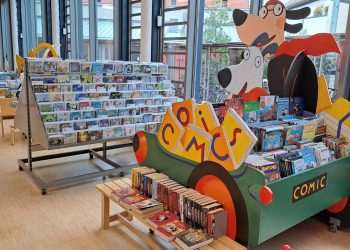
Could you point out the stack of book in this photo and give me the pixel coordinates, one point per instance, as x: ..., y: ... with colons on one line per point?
x: 189, y: 206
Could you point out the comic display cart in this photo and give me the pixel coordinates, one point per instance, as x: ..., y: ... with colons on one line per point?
x: 256, y: 211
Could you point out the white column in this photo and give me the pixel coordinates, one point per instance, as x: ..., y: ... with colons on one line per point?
x: 146, y: 30
x: 13, y: 9
x: 55, y: 25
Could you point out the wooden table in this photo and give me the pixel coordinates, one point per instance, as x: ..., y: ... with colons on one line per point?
x: 127, y: 216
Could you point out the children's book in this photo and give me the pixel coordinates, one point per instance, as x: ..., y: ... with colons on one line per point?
x: 42, y: 98
x: 169, y: 231
x: 75, y: 79
x: 72, y: 106
x: 46, y: 108
x: 205, y: 116
x: 108, y: 133
x: 49, y: 118
x: 63, y: 116
x: 221, y: 151
x: 80, y: 125
x: 36, y: 66
x: 242, y: 139
x: 293, y: 134
x: 63, y: 79
x: 56, y: 97
x: 40, y: 88
x: 62, y: 66
x: 170, y: 132
x: 119, y: 132
x: 49, y: 80
x: 52, y: 128
x: 104, y: 123
x: 296, y: 106
x: 251, y: 112
x: 83, y: 136
x: 97, y: 78
x: 282, y: 106
x: 76, y: 115
x: 185, y: 112
x: 69, y: 97
x: 88, y: 115
x: 147, y: 206
x: 95, y: 135
x: 161, y: 218
x: 50, y: 66
x: 268, y: 108
x: 271, y: 138
x: 85, y: 67
x: 70, y: 138
x: 193, y: 239
x: 54, y: 88
x: 97, y: 68
x: 197, y: 144
x: 86, y: 79
x: 92, y: 124
x: 74, y: 67
x: 66, y: 127
x: 115, y: 122
x: 237, y: 104
x: 101, y: 113
x: 77, y: 88
x: 108, y: 68
x: 57, y: 107
x: 129, y: 130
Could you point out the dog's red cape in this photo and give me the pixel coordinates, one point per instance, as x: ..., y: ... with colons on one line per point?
x: 315, y: 45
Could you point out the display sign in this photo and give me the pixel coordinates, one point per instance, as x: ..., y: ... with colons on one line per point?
x: 309, y: 187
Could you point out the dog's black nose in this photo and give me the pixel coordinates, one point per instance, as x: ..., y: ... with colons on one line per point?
x: 239, y: 17
x: 224, y: 77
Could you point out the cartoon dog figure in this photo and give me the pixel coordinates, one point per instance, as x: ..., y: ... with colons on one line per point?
x: 245, y: 79
x: 291, y: 72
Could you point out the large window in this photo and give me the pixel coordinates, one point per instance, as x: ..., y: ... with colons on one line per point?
x: 39, y: 24
x: 135, y: 30
x: 104, y: 30
x: 175, y: 24
x: 86, y: 30
x: 221, y: 45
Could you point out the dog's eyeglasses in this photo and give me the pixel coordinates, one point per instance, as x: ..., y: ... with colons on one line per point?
x: 277, y: 10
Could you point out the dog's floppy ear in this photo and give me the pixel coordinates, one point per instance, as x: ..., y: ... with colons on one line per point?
x: 262, y: 39
x: 298, y: 14
x: 293, y: 28
x: 270, y: 49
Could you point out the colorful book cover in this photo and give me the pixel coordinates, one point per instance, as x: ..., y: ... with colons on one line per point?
x: 97, y: 78
x: 86, y: 79
x: 77, y: 88
x: 112, y: 112
x: 82, y: 97
x: 282, y: 106
x: 170, y: 132
x: 88, y: 115
x: 133, y: 198
x: 268, y: 108
x: 49, y: 118
x: 56, y: 97
x: 75, y: 115
x: 85, y: 67
x: 63, y: 79
x: 108, y: 133
x: 242, y: 139
x: 251, y: 112
x: 146, y: 205
x: 296, y: 106
x: 108, y: 79
x: 70, y: 138
x: 40, y: 88
x: 63, y: 116
x: 101, y: 113
x: 74, y: 67
x: 49, y: 80
x: 119, y: 132
x: 220, y: 111
x: 237, y: 104
x: 50, y: 66
x: 72, y: 106
x: 271, y: 138
x: 197, y: 144
x: 36, y: 66
x: 205, y: 116
x: 185, y: 112
x: 104, y: 123
x: 52, y: 128
x: 161, y: 218
x: 75, y: 79
x: 66, y: 127
x: 97, y: 68
x: 96, y: 104
x: 69, y: 97
x: 116, y: 95
x: 80, y: 125
x: 54, y: 88
x: 293, y: 134
x: 57, y: 107
x: 309, y: 131
x: 169, y: 231
x: 221, y: 151
x: 119, y: 68
x: 92, y: 124
x: 95, y: 135
x: 108, y: 68
x: 62, y: 66
x: 115, y: 122
x: 193, y: 239
x: 129, y: 130
x: 123, y: 111
x: 46, y: 108
x: 83, y: 136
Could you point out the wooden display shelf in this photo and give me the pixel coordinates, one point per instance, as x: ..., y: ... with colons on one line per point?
x: 127, y: 216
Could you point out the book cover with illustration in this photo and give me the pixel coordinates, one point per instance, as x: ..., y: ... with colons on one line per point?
x: 40, y: 88
x: 97, y: 68
x: 296, y: 106
x: 193, y: 239
x: 271, y: 138
x: 147, y: 206
x: 86, y: 79
x: 69, y: 97
x: 221, y: 151
x: 237, y: 104
x: 169, y: 231
x: 161, y: 218
x: 52, y: 128
x: 54, y: 88
x: 49, y: 118
x: 293, y: 134
x: 83, y: 136
x: 268, y: 108
x: 205, y: 116
x: 72, y: 106
x: 63, y: 79
x: 197, y: 144
x: 242, y: 139
x: 74, y: 67
x: 185, y: 112
x: 62, y: 66
x: 85, y: 67
x: 95, y: 135
x: 251, y: 112
x: 170, y: 132
x: 70, y: 138
x: 63, y: 116
x: 46, y: 108
x: 75, y: 79
x: 282, y: 106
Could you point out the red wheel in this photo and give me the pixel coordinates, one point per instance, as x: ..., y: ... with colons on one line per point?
x: 339, y: 206
x: 140, y: 146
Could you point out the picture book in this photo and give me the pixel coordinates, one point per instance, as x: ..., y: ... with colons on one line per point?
x: 119, y: 68
x: 169, y: 231
x: 221, y: 151
x: 86, y: 78
x: 52, y: 128
x: 162, y: 69
x: 193, y: 239
x: 251, y: 112
x: 66, y: 88
x: 282, y: 107
x: 54, y: 88
x: 97, y: 68
x: 77, y: 88
x: 95, y: 135
x: 75, y: 79
x: 97, y: 78
x: 74, y: 67
x: 57, y: 107
x: 108, y: 79
x: 101, y: 113
x: 62, y: 66
x: 140, y: 102
x: 80, y: 125
x: 170, y: 132
x: 66, y: 127
x: 130, y: 103
x: 36, y: 66
x: 127, y: 120
x: 49, y: 118
x: 56, y: 97
x: 308, y: 157
x: 119, y: 132
x: 145, y: 69
x: 147, y: 206
x: 268, y: 108
x: 134, y: 111
x: 84, y: 105
x: 205, y: 116
x: 46, y: 107
x: 242, y: 139
x: 50, y: 66
x: 83, y: 136
x: 112, y: 112
x: 40, y: 88
x: 115, y: 122
x: 115, y: 95
x: 108, y: 68
x: 136, y: 68
x: 129, y: 130
x: 49, y: 80
x: 85, y: 67
x: 185, y: 112
x: 104, y: 123
x: 134, y: 94
x: 237, y: 104
x: 55, y: 139
x: 137, y: 119
x: 309, y: 130
x: 88, y: 115
x: 63, y: 79
x: 63, y: 116
x: 296, y: 106
x: 76, y: 115
x: 271, y: 138
x: 293, y: 134
x: 123, y: 192
x: 70, y: 138
x: 197, y: 144
x: 131, y: 86
x: 92, y: 124
x: 69, y: 97
x: 132, y: 199
x: 108, y: 133
x: 72, y: 106
x: 220, y: 111
x: 96, y: 104
x: 140, y: 127
x: 123, y: 111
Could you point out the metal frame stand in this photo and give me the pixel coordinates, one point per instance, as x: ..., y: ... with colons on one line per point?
x: 27, y: 164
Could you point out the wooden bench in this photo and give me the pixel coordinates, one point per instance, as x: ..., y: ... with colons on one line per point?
x: 127, y: 216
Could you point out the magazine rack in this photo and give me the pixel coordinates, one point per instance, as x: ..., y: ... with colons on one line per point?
x: 28, y: 119
x: 256, y: 211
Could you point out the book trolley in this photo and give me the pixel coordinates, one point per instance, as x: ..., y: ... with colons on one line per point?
x: 102, y: 124
x: 256, y: 211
